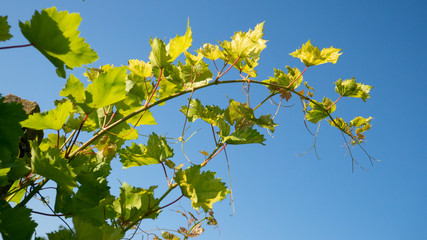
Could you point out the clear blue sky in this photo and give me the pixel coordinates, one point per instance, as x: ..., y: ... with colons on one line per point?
x: 277, y: 194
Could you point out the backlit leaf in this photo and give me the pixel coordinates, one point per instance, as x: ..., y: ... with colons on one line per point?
x: 360, y: 121
x: 108, y: 88
x: 209, y: 114
x: 140, y: 68
x: 311, y: 55
x: 156, y: 151
x: 210, y: 51
x: 74, y: 90
x: 53, y: 119
x: 320, y: 110
x: 202, y: 188
x: 135, y: 203
x: 56, y: 36
x: 179, y: 44
x: 244, y: 136
x: 350, y: 88
x: 158, y: 55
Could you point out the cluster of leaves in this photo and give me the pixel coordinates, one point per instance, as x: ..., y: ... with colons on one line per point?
x: 115, y: 101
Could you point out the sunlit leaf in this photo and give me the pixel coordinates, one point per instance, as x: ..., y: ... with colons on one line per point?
x: 56, y: 36
x: 239, y: 114
x: 202, y: 188
x: 179, y: 44
x: 53, y: 119
x: 350, y: 88
x: 311, y: 55
x: 158, y: 55
x: 108, y: 88
x: 74, y: 90
x: 360, y: 121
x: 244, y: 136
x: 156, y: 151
x: 320, y: 110
x: 209, y: 114
x: 140, y: 68
x: 135, y: 203
x: 210, y: 51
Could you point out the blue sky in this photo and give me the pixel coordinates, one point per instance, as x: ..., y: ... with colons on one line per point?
x: 277, y: 194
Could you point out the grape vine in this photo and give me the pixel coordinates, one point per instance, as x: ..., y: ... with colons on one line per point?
x: 115, y: 104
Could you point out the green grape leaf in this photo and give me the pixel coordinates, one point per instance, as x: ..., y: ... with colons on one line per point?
x: 158, y: 55
x: 340, y: 124
x: 360, y: 121
x: 194, y: 73
x: 156, y: 151
x: 320, y: 110
x: 244, y: 136
x: 74, y: 122
x: 350, y: 88
x: 74, y: 90
x: 123, y: 131
x: 281, y: 79
x: 209, y: 114
x: 311, y: 55
x: 53, y: 119
x: 129, y: 105
x: 210, y: 51
x: 135, y: 203
x: 15, y: 194
x: 240, y: 113
x: 140, y: 68
x: 87, y: 230
x: 4, y: 29
x: 11, y: 114
x: 179, y: 44
x: 108, y: 88
x: 171, y: 83
x: 16, y: 223
x: 93, y: 192
x: 135, y: 155
x: 52, y: 141
x: 202, y: 188
x: 244, y: 49
x: 56, y: 36
x: 4, y: 180
x: 193, y: 59
x: 62, y: 234
x: 240, y: 45
x: 52, y: 165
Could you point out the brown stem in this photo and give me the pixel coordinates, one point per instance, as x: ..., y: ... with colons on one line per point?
x: 77, y: 135
x: 16, y: 46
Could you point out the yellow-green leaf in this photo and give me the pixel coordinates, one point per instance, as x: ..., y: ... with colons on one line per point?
x: 54, y: 119
x: 179, y: 44
x: 350, y: 88
x: 108, y: 88
x: 311, y: 55
x: 56, y: 36
x: 202, y: 188
x: 4, y: 29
